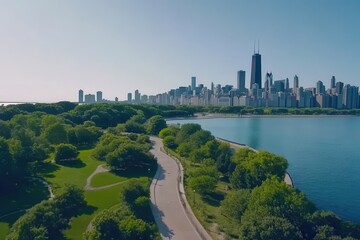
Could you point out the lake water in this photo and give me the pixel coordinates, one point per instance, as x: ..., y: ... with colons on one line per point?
x: 323, y: 153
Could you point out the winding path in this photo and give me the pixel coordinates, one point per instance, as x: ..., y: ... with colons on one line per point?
x: 99, y: 169
x: 171, y: 211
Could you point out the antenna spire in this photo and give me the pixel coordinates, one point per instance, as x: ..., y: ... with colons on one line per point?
x: 258, y: 46
x: 254, y: 46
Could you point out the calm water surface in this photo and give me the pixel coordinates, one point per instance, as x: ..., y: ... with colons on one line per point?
x: 323, y: 153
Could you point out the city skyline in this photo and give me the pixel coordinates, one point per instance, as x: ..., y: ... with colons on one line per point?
x: 51, y: 48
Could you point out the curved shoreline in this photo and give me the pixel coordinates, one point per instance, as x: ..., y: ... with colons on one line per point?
x: 235, y: 145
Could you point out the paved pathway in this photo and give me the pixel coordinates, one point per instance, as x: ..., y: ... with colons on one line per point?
x: 172, y: 214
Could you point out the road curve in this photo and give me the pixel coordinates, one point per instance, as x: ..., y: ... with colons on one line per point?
x: 172, y: 214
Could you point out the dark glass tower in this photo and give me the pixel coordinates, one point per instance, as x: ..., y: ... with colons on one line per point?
x: 256, y: 70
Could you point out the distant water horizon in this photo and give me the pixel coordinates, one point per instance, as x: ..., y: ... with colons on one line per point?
x: 323, y: 154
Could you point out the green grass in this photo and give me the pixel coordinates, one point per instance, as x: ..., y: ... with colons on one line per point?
x: 106, y: 178
x: 74, y: 172
x: 97, y: 200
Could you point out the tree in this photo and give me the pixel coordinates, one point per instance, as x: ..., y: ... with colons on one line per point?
x: 235, y: 203
x: 5, y: 163
x: 5, y: 130
x: 155, y: 125
x: 49, y: 218
x: 70, y: 201
x: 254, y: 169
x: 203, y: 184
x: 133, y: 228
x: 275, y: 198
x: 268, y: 227
x: 56, y: 134
x: 129, y: 155
x: 169, y: 141
x: 65, y: 152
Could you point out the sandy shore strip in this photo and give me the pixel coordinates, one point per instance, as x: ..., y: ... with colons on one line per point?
x: 234, y: 145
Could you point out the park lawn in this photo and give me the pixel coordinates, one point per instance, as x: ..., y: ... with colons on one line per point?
x: 106, y: 178
x: 97, y: 200
x: 72, y: 172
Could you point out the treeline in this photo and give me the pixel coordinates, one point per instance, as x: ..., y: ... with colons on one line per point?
x: 259, y: 202
x: 240, y: 110
x: 31, y: 133
x: 102, y: 114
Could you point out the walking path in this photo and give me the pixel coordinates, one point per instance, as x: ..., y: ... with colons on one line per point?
x: 99, y: 169
x: 170, y: 208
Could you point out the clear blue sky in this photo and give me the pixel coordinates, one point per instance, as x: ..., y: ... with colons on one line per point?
x: 51, y: 49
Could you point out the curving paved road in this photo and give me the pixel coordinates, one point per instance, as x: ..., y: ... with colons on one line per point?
x: 173, y: 216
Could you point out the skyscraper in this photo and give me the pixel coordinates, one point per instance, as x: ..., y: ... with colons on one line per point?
x: 332, y: 84
x: 193, y: 83
x: 241, y: 81
x: 296, y: 83
x: 81, y: 96
x: 256, y: 70
x: 99, y: 96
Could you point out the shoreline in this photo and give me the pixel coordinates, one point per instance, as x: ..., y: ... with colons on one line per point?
x: 235, y: 145
x: 232, y: 115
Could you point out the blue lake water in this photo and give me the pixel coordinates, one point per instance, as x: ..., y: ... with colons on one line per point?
x: 323, y: 153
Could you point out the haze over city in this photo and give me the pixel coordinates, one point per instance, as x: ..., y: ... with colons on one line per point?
x: 49, y: 50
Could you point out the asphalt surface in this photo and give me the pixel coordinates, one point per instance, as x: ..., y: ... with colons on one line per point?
x: 172, y: 214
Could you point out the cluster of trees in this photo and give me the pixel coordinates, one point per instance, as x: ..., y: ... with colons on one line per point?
x: 28, y: 139
x: 212, y: 157
x: 124, y: 151
x: 265, y: 207
x: 30, y: 133
x: 49, y: 218
x: 131, y: 219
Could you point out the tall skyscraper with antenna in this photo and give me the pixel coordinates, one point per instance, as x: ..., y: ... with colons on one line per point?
x: 256, y: 69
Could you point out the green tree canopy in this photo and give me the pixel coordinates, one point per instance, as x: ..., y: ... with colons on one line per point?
x: 256, y: 168
x: 235, y: 203
x: 275, y: 198
x: 65, y: 152
x: 155, y: 125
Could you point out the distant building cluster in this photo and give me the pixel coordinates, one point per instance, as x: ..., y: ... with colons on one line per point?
x: 274, y: 93
x: 92, y: 98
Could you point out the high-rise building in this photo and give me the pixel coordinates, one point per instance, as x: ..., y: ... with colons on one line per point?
x: 287, y: 87
x: 241, y: 81
x: 137, y: 96
x: 332, y: 85
x: 320, y: 88
x: 339, y: 87
x: 129, y: 97
x: 89, y: 98
x: 296, y: 83
x: 256, y: 70
x: 193, y: 83
x: 99, y: 96
x: 81, y: 96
